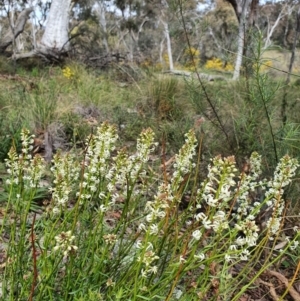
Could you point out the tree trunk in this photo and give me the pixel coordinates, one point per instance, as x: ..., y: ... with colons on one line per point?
x: 55, y: 40
x: 161, y: 51
x: 286, y: 31
x: 169, y: 47
x: 100, y: 9
x: 271, y: 30
x: 33, y: 33
x: 55, y: 37
x: 241, y: 39
x: 292, y: 60
x: 290, y: 9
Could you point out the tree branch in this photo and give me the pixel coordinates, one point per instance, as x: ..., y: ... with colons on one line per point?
x: 19, y: 27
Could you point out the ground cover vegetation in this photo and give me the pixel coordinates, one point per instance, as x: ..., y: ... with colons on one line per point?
x: 127, y: 175
x: 200, y: 207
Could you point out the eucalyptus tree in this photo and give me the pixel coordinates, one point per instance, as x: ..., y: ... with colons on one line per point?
x: 246, y: 12
x: 135, y: 16
x: 100, y: 9
x: 55, y: 39
x: 276, y: 21
x: 241, y: 9
x: 15, y: 28
x: 15, y: 22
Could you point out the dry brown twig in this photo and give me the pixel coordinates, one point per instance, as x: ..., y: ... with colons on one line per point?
x: 293, y: 293
x: 272, y: 289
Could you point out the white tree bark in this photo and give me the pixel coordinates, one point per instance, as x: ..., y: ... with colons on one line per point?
x: 164, y: 20
x: 57, y: 27
x: 33, y: 32
x: 241, y: 39
x: 270, y: 31
x: 161, y: 51
x: 169, y: 47
x: 15, y: 30
x: 100, y: 11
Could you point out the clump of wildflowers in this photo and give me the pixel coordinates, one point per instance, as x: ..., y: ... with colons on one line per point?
x: 14, y: 167
x: 164, y: 200
x: 145, y: 145
x: 221, y: 192
x: 168, y: 241
x: 248, y: 208
x: 285, y: 171
x: 97, y: 161
x: 68, y: 73
x: 125, y: 169
x: 184, y: 159
x: 64, y: 243
x: 110, y: 239
x: 247, y: 184
x: 65, y: 170
x: 24, y: 168
x: 147, y: 258
x: 156, y: 209
x: 218, y: 64
x: 216, y: 192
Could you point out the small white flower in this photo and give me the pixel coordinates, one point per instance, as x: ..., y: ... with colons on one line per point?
x: 138, y: 244
x: 110, y: 187
x: 251, y: 217
x: 197, y: 234
x: 144, y: 273
x: 142, y: 227
x: 93, y: 188
x: 181, y: 259
x: 153, y: 269
x: 294, y: 245
x: 228, y: 258
x: 149, y: 246
x: 240, y: 241
x: 56, y: 248
x: 153, y: 229
x: 245, y: 255
x: 188, y: 223
x: 200, y: 256
x: 233, y: 247
x: 102, y: 208
x: 110, y: 282
x: 207, y: 224
x: 55, y: 210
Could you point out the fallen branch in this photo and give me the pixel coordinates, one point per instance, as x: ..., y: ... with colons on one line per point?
x: 47, y: 54
x: 293, y: 293
x: 204, y: 76
x: 271, y: 287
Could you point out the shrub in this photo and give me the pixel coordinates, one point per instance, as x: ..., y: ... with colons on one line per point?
x: 263, y: 65
x: 217, y: 64
x: 192, y: 58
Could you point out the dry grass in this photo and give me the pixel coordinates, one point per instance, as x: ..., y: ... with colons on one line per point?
x: 281, y: 60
